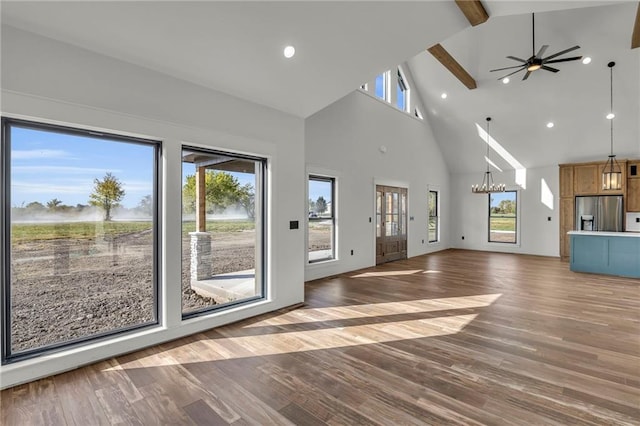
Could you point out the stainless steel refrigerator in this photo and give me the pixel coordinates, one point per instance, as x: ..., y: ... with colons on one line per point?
x: 599, y: 213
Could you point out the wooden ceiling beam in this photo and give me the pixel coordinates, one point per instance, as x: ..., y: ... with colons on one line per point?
x: 452, y: 65
x: 635, y: 37
x: 473, y: 10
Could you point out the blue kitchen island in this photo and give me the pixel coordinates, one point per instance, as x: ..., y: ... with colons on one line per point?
x: 610, y: 253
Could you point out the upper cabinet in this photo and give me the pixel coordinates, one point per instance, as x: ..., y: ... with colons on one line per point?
x: 633, y: 186
x: 585, y: 179
x: 566, y: 180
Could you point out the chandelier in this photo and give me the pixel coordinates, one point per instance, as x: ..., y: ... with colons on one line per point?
x: 487, y: 186
x: 612, y: 173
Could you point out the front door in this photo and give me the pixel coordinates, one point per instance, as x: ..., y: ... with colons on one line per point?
x: 391, y: 223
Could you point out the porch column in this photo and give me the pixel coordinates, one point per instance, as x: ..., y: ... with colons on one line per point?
x: 201, y: 255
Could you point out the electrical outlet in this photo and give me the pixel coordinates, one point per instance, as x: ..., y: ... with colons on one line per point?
x: 463, y: 237
x: 422, y: 241
x: 351, y: 252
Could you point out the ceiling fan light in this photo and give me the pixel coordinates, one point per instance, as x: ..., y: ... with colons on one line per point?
x: 533, y: 67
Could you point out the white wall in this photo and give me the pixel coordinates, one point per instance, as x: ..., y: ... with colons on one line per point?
x: 538, y: 235
x: 346, y: 137
x: 45, y: 80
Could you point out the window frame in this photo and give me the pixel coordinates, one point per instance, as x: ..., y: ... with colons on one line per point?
x: 437, y: 216
x: 262, y: 243
x: 385, y: 83
x: 403, y: 86
x: 332, y: 180
x: 516, y: 220
x: 7, y: 123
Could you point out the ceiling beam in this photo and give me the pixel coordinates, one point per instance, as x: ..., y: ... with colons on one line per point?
x: 452, y: 65
x: 635, y: 37
x: 473, y: 10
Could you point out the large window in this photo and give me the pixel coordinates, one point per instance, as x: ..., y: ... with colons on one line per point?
x: 79, y: 236
x: 434, y: 221
x: 321, y: 228
x: 223, y: 232
x: 503, y: 208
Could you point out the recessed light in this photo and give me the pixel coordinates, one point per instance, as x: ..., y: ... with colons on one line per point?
x: 610, y: 116
x: 443, y: 96
x: 506, y: 80
x: 550, y: 124
x: 586, y: 60
x: 289, y: 51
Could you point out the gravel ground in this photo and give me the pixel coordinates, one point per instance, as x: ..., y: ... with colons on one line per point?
x: 69, y: 289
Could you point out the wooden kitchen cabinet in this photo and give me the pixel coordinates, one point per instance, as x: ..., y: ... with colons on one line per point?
x: 566, y: 180
x: 585, y: 179
x: 633, y: 195
x: 566, y: 224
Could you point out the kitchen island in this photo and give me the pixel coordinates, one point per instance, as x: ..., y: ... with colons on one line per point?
x: 610, y: 253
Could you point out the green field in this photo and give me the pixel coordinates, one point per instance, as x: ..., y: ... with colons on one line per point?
x: 503, y: 223
x: 220, y: 226
x: 25, y: 232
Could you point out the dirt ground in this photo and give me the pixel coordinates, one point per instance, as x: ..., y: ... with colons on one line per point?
x: 71, y: 289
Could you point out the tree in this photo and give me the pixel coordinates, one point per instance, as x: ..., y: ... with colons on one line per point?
x: 321, y: 204
x: 106, y: 194
x: 53, y: 204
x: 145, y: 206
x: 247, y: 200
x: 221, y: 190
x: 35, y: 207
x: 312, y: 205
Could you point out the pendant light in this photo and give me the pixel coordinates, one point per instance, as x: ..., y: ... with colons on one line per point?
x: 612, y: 173
x: 487, y: 186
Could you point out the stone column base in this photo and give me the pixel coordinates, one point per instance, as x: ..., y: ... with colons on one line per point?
x: 201, y: 256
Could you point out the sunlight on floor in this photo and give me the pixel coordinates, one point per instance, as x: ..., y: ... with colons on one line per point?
x: 309, y: 340
x: 386, y: 274
x: 242, y: 346
x: 301, y: 316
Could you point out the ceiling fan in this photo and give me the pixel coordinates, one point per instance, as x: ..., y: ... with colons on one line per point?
x: 536, y: 61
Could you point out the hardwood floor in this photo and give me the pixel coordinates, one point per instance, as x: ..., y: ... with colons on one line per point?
x: 456, y: 337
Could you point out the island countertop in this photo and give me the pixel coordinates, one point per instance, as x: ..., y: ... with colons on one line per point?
x: 606, y: 234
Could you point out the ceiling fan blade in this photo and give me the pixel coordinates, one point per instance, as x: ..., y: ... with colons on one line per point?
x: 544, y: 67
x: 517, y: 59
x: 505, y: 76
x: 555, y: 61
x: 508, y: 68
x: 541, y: 51
x: 526, y: 76
x: 560, y: 53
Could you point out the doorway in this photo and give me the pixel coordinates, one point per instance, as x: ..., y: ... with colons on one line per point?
x: 391, y: 223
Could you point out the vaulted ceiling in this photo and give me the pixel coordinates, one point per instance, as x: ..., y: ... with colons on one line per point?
x: 236, y: 47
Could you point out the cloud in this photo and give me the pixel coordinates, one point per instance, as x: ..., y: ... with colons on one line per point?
x: 39, y: 154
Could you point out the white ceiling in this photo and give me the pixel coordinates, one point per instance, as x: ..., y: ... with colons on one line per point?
x: 236, y: 47
x: 576, y: 99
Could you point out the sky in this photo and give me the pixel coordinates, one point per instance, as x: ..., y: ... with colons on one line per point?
x: 496, y: 197
x: 319, y: 188
x: 47, y: 165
